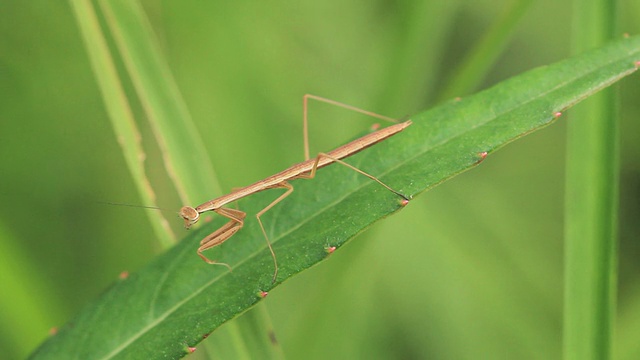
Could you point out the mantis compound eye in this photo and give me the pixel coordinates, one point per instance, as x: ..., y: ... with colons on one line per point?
x: 190, y: 216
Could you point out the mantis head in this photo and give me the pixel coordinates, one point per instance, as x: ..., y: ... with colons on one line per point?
x: 190, y: 216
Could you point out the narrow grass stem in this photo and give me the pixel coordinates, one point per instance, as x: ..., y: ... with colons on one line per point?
x: 591, y: 203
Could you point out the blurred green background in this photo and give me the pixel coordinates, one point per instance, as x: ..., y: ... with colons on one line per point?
x: 472, y: 269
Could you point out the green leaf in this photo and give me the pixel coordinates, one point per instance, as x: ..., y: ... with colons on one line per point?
x: 177, y: 300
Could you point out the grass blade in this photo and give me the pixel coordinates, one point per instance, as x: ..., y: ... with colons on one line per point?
x: 591, y: 203
x: 21, y: 312
x: 120, y: 113
x: 484, y: 55
x: 185, y: 156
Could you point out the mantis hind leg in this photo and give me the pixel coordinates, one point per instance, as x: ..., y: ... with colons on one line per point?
x: 312, y: 173
x: 305, y: 122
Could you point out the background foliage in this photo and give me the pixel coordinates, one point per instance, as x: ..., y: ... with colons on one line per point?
x: 471, y: 269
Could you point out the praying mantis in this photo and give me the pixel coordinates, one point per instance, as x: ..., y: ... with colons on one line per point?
x: 304, y: 170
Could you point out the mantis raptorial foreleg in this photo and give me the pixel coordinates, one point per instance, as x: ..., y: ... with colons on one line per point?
x: 236, y: 221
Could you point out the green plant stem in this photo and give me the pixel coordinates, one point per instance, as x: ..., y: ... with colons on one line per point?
x: 591, y: 203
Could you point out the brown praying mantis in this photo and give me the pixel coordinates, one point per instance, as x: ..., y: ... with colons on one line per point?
x: 304, y: 170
